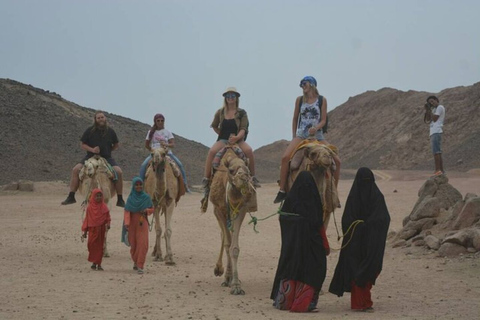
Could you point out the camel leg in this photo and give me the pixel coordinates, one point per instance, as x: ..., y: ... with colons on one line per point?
x: 235, y: 286
x: 105, y: 251
x: 227, y: 240
x: 157, y: 250
x: 218, y: 271
x: 168, y: 234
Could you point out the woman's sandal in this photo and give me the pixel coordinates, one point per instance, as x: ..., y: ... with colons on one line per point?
x: 99, y: 268
x: 94, y: 266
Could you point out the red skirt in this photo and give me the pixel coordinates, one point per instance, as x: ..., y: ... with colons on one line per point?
x: 296, y: 296
x: 96, y: 239
x: 361, y: 298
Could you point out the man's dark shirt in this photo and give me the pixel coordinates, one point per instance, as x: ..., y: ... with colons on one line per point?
x: 105, y: 139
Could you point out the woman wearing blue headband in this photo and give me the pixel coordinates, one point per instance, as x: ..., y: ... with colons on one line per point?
x: 309, y: 120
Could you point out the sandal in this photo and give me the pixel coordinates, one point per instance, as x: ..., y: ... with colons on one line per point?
x: 94, y: 266
x: 135, y: 267
x: 140, y: 271
x: 99, y: 268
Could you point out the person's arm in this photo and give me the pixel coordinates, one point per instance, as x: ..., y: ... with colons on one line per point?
x: 296, y: 113
x: 126, y: 218
x: 324, y: 114
x: 235, y: 138
x: 216, y: 121
x: 323, y: 120
x: 170, y: 144
x: 147, y: 145
x: 85, y: 225
x: 149, y: 211
x: 87, y: 148
x: 242, y: 129
x: 109, y: 219
x: 437, y: 114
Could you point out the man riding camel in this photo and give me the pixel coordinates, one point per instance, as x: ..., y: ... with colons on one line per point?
x: 98, y: 139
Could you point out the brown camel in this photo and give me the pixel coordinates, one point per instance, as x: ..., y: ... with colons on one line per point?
x: 233, y: 195
x: 96, y: 174
x: 164, y: 187
x: 318, y: 159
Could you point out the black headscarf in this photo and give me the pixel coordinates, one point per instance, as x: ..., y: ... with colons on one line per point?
x: 361, y: 260
x: 302, y: 257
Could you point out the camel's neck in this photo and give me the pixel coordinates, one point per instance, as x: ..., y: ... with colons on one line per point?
x: 236, y: 195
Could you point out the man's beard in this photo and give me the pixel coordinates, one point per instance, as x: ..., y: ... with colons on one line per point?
x: 101, y: 126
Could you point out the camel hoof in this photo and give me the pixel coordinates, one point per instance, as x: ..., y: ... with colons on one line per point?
x: 237, y: 291
x: 218, y: 271
x: 158, y: 259
x: 170, y: 263
x: 225, y: 284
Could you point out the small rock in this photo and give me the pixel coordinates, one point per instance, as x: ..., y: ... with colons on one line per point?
x: 451, y: 250
x: 399, y: 243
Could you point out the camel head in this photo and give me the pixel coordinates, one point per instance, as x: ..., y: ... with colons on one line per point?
x: 319, y: 155
x: 159, y: 158
x: 91, y: 166
x: 239, y: 175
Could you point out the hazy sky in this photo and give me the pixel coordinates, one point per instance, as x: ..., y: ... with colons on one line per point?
x: 138, y: 58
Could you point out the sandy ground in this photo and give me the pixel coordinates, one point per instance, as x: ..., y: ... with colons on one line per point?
x: 45, y: 273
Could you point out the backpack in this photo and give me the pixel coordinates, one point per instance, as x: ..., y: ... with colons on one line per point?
x: 319, y: 103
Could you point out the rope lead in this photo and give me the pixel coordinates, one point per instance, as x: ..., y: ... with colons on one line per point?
x: 254, y: 219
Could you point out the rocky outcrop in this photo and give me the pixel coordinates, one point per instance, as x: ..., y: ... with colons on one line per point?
x: 440, y: 209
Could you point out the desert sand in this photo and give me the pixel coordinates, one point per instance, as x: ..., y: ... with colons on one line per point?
x: 45, y: 273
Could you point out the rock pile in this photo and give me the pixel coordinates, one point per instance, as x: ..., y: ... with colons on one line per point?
x: 442, y: 220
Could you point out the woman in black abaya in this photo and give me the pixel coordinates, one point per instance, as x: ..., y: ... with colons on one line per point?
x: 302, y: 264
x: 361, y: 258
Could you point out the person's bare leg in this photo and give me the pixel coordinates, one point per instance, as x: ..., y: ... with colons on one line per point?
x: 284, y: 169
x: 249, y: 153
x: 438, y: 162
x: 119, y: 183
x: 74, y: 183
x: 285, y: 160
x: 211, y: 154
x: 74, y: 180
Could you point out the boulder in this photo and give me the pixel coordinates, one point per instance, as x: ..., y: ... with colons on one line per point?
x: 419, y: 243
x: 25, y: 185
x: 476, y: 239
x: 447, y: 195
x: 451, y: 250
x: 13, y: 186
x: 468, y: 196
x: 428, y: 188
x: 469, y: 215
x: 415, y: 227
x: 432, y: 242
x: 399, y: 243
x: 463, y: 237
x: 428, y: 208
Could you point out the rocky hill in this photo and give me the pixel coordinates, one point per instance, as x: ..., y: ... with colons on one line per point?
x: 40, y: 137
x: 384, y: 129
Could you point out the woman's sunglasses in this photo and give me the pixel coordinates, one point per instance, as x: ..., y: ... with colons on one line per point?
x: 230, y: 95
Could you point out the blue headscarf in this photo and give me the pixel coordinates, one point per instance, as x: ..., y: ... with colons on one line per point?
x: 310, y: 79
x: 138, y: 201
